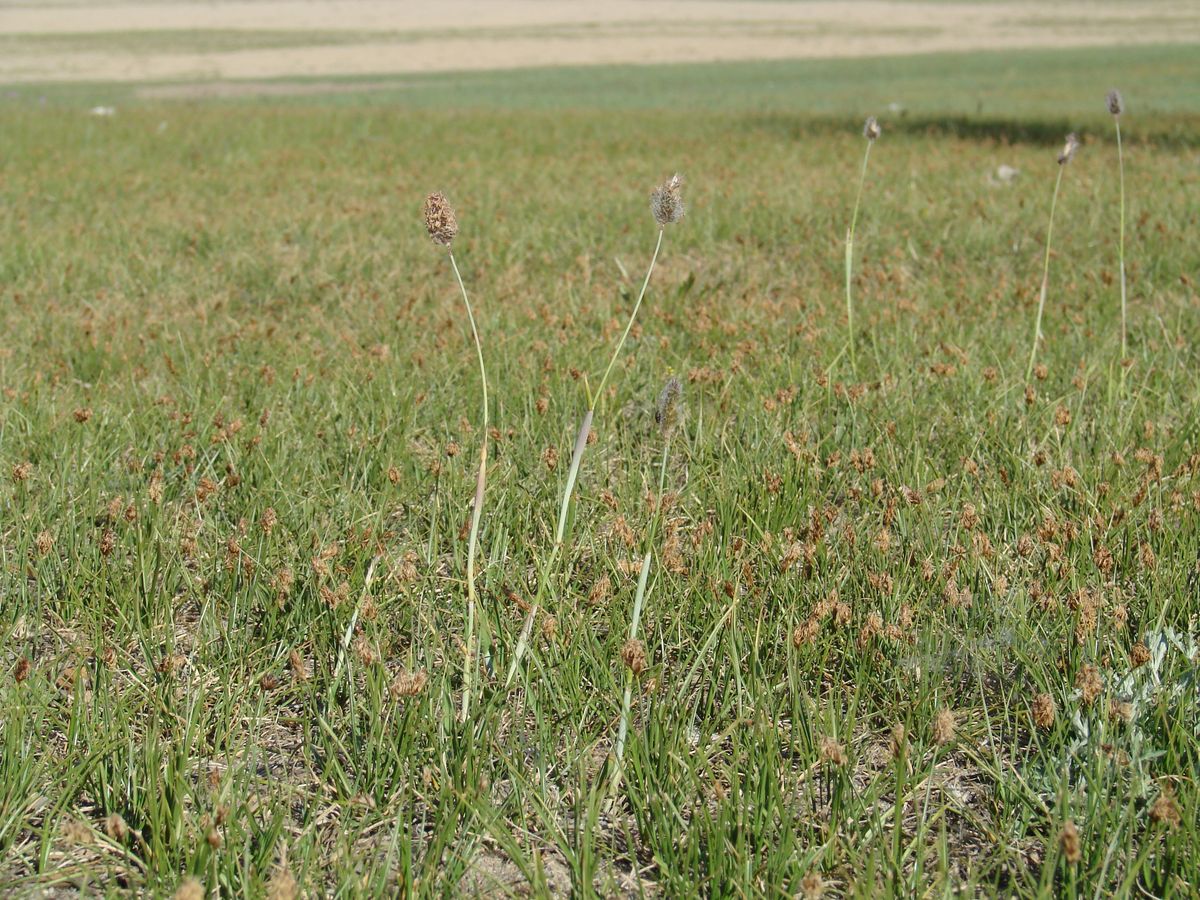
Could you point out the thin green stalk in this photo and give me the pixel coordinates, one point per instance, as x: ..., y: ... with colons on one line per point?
x: 1121, y: 244
x: 638, y: 601
x: 627, y: 700
x: 476, y: 512
x: 576, y: 459
x: 1037, y: 328
x: 862, y: 178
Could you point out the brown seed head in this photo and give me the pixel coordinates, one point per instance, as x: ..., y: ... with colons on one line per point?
x: 115, y: 827
x: 666, y: 203
x: 1068, y: 842
x: 408, y: 685
x: 440, y: 221
x: 871, y: 129
x: 634, y: 656
x: 22, y: 669
x: 944, y: 726
x: 812, y: 887
x: 832, y: 752
x: 44, y: 542
x: 1043, y: 711
x: 1139, y: 654
x: 1089, y: 684
x: 1165, y: 809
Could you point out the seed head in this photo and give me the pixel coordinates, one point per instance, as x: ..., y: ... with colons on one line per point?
x: 634, y: 656
x: 666, y: 203
x: 1089, y: 683
x: 1165, y: 810
x: 813, y: 886
x: 115, y: 827
x: 871, y: 129
x: 439, y: 219
x: 1116, y: 103
x: 190, y: 889
x: 1068, y: 841
x: 1043, y: 711
x: 408, y: 684
x: 832, y: 752
x: 1139, y: 654
x: 283, y: 885
x: 1070, y: 147
x: 944, y: 726
x: 667, y: 412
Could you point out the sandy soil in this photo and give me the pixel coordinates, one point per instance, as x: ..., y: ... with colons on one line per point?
x: 405, y: 37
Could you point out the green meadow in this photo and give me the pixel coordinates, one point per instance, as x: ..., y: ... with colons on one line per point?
x: 916, y: 626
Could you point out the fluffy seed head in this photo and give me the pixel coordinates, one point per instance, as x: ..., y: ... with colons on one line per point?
x: 944, y: 726
x: 667, y: 412
x: 1116, y: 103
x: 1043, y: 711
x: 871, y: 129
x: 439, y: 219
x: 1070, y: 147
x: 190, y: 889
x: 115, y: 827
x: 283, y: 885
x: 666, y: 203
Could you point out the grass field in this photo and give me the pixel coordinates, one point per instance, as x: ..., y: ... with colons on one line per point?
x: 911, y: 629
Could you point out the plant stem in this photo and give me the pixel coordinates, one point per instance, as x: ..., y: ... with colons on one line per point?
x: 1121, y: 245
x: 477, y: 510
x: 850, y: 256
x: 638, y: 601
x: 628, y: 325
x: 576, y: 460
x: 627, y: 700
x: 1037, y: 328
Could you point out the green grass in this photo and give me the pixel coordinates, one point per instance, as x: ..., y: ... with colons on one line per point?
x: 240, y: 311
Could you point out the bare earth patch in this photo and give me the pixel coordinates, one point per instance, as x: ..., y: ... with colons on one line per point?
x: 364, y: 37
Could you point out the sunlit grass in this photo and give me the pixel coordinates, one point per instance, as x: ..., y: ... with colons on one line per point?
x: 237, y: 413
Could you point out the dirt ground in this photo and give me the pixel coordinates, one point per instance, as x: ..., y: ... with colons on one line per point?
x: 75, y: 40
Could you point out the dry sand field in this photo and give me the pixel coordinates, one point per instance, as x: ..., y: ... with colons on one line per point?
x: 272, y: 39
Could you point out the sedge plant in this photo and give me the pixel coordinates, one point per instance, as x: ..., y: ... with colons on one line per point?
x: 442, y: 226
x: 1065, y: 156
x: 667, y: 207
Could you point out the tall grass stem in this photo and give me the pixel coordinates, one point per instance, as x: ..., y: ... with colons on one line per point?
x: 576, y: 460
x: 477, y: 510
x: 1037, y: 328
x: 862, y: 178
